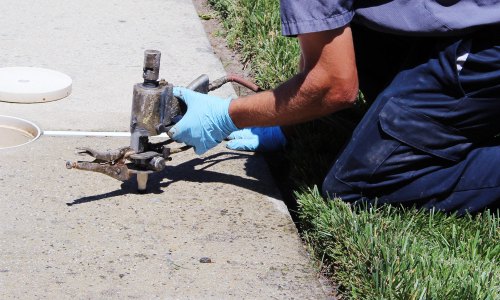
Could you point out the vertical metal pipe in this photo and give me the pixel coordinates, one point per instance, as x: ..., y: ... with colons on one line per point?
x: 151, y: 69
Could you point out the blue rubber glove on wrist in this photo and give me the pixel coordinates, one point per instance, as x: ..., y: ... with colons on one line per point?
x: 264, y: 139
x: 206, y: 122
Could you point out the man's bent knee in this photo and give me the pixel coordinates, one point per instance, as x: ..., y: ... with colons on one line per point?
x: 334, y: 188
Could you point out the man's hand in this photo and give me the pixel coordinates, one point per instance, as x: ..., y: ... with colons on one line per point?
x: 263, y: 139
x: 206, y: 122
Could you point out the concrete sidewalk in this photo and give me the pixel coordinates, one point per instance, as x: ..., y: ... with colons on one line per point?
x: 68, y: 234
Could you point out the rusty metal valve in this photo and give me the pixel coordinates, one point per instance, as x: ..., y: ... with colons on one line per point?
x: 154, y: 111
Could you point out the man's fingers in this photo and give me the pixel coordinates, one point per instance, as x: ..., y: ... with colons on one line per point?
x: 234, y: 135
x: 199, y: 151
x: 181, y: 133
x: 184, y: 94
x: 243, y: 144
x: 172, y: 133
x: 178, y: 131
x: 241, y: 134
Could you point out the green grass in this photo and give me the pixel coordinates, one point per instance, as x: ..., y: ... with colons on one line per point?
x: 252, y: 28
x: 389, y: 253
x: 372, y: 253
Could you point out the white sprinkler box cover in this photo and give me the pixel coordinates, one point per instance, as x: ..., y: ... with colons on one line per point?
x: 33, y: 85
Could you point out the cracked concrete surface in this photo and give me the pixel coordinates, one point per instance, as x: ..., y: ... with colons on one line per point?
x: 67, y: 234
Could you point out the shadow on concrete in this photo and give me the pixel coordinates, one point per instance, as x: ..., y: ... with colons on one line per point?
x: 260, y: 181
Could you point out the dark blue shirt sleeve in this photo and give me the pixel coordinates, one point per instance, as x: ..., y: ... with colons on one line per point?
x: 305, y: 16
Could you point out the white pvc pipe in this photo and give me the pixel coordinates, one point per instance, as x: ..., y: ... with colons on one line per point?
x: 90, y: 133
x: 86, y: 133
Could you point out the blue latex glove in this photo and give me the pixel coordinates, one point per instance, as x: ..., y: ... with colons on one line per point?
x: 206, y: 122
x: 263, y: 139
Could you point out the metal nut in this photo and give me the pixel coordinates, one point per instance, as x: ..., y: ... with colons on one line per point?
x: 157, y: 163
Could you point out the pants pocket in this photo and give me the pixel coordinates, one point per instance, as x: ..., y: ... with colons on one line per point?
x: 422, y: 132
x: 396, y: 147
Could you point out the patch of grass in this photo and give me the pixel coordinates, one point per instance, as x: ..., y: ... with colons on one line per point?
x: 253, y: 28
x: 372, y: 253
x: 389, y: 253
x: 206, y: 17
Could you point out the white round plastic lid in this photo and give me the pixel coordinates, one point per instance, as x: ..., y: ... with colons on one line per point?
x: 32, y: 85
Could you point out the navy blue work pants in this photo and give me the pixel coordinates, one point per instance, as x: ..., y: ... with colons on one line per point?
x: 430, y: 137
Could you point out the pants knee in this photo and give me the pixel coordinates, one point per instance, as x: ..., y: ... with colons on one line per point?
x: 334, y: 188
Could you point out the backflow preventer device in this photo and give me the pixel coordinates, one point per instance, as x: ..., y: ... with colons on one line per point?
x: 154, y: 111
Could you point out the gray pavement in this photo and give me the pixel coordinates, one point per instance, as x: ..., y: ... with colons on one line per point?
x: 68, y: 234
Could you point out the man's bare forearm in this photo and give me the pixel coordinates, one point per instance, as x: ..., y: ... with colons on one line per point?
x: 286, y: 105
x: 327, y: 83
